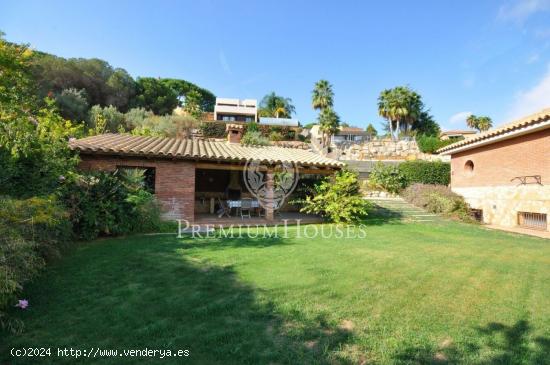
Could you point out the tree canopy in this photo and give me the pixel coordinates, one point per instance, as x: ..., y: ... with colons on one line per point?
x: 34, y: 152
x: 401, y: 106
x: 405, y: 111
x: 273, y: 105
x: 329, y: 122
x: 322, y: 95
x: 481, y: 123
x: 372, y: 132
x: 104, y: 85
x: 155, y: 95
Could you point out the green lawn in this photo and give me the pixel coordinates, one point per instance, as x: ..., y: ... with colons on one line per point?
x: 408, y: 293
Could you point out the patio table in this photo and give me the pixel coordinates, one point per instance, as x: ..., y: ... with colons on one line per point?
x: 238, y: 203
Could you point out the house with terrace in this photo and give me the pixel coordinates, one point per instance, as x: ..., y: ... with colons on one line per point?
x: 504, y: 173
x: 456, y: 134
x: 201, y: 180
x: 236, y: 110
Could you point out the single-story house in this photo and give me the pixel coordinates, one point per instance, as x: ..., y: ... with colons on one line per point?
x: 504, y: 173
x: 456, y: 134
x: 350, y: 134
x: 187, y: 174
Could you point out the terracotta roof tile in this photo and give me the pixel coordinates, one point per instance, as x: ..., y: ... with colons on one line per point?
x: 199, y: 149
x: 508, y: 129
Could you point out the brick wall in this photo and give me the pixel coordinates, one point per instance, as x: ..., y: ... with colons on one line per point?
x: 174, y: 181
x: 496, y: 164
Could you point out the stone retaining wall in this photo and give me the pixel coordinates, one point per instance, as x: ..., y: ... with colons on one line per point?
x: 501, y: 204
x: 386, y: 149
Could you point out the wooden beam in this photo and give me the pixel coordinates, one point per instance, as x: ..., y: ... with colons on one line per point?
x: 316, y: 171
x: 218, y: 166
x: 231, y: 167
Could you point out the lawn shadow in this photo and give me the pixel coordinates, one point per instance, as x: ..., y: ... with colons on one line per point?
x: 503, y: 344
x: 143, y: 294
x: 239, y: 239
x: 379, y: 215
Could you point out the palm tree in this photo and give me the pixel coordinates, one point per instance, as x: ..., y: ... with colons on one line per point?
x: 415, y: 106
x: 401, y: 106
x: 273, y: 105
x: 484, y: 123
x: 322, y: 95
x: 329, y: 122
x: 471, y: 121
x: 389, y: 108
x: 481, y: 123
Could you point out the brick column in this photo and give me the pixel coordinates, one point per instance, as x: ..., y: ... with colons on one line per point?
x: 269, y: 196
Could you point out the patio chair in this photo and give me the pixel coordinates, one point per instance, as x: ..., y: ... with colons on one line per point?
x: 224, y: 209
x: 246, y: 206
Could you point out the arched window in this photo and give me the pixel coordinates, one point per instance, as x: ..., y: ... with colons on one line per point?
x: 469, y: 167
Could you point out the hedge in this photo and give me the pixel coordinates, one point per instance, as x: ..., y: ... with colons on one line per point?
x: 393, y: 178
x: 426, y: 172
x: 430, y: 144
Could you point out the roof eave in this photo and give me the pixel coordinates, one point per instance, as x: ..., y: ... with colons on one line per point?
x: 501, y: 137
x: 102, y: 152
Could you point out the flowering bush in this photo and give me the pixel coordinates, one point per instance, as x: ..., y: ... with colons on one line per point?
x: 31, y: 232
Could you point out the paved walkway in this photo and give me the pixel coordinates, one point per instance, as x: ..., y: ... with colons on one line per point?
x: 530, y: 232
x: 399, y: 209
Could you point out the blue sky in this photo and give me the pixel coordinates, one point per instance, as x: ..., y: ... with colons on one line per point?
x: 481, y: 57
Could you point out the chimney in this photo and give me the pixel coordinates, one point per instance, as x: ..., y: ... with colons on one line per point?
x: 234, y: 133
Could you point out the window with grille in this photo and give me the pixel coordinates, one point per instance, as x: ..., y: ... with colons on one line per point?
x: 477, y: 214
x: 532, y: 220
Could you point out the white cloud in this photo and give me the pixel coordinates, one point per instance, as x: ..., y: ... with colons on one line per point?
x: 532, y: 100
x: 459, y: 119
x: 224, y: 63
x: 519, y: 10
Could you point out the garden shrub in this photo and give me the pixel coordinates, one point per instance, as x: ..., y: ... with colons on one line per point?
x: 438, y: 199
x: 110, y: 203
x: 19, y: 263
x: 275, y: 136
x: 31, y: 232
x: 252, y: 127
x: 33, y: 158
x: 426, y: 172
x: 254, y: 139
x: 265, y: 130
x: 337, y: 199
x: 212, y: 129
x: 387, y: 177
x: 40, y: 219
x: 430, y: 144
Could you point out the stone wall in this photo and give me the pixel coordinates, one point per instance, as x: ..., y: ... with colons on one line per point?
x: 385, y: 149
x: 501, y: 204
x: 174, y: 181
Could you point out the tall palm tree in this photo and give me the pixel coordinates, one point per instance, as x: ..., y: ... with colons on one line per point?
x: 481, y: 123
x: 329, y: 122
x: 322, y: 95
x: 484, y: 123
x: 471, y: 121
x: 273, y: 105
x: 401, y: 107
